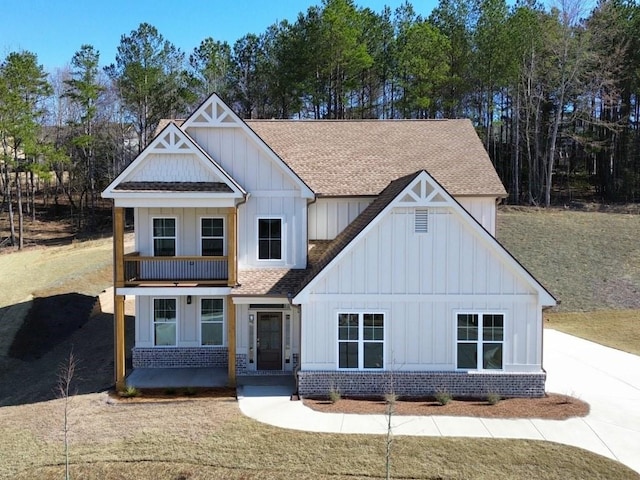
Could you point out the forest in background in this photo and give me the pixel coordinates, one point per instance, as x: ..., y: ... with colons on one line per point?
x: 553, y: 92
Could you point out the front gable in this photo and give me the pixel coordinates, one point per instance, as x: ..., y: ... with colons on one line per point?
x: 173, y: 165
x: 422, y: 242
x: 228, y: 139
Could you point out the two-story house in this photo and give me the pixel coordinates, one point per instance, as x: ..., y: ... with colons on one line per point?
x: 359, y: 255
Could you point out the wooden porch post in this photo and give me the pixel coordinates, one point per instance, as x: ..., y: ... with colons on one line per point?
x: 118, y: 300
x: 232, y: 248
x: 231, y: 340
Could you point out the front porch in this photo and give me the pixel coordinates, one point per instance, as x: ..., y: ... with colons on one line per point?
x: 204, y: 377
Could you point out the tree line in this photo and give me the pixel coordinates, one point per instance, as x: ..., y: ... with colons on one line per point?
x: 552, y: 91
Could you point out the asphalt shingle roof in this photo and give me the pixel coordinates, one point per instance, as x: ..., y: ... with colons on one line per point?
x: 217, y: 187
x: 352, y: 157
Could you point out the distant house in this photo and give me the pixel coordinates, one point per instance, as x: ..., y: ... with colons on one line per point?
x: 359, y: 255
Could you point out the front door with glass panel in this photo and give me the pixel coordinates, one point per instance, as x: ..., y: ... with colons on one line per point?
x: 269, y: 341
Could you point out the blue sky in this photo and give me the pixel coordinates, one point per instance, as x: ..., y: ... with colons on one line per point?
x: 55, y: 29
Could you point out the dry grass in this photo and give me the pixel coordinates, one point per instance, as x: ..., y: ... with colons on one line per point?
x: 588, y: 260
x: 111, y: 439
x: 82, y: 267
x: 614, y: 328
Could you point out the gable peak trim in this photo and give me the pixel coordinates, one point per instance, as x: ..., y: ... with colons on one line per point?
x: 172, y: 139
x: 213, y: 112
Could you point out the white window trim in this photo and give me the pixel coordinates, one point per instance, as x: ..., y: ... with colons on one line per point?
x: 158, y: 217
x: 153, y: 322
x: 480, y: 341
x: 361, y: 340
x: 224, y: 321
x: 282, y: 238
x: 224, y: 233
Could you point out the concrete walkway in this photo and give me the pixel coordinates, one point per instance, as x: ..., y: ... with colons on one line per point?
x: 609, y: 380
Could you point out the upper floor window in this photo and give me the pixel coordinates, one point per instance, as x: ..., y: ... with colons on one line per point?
x: 361, y: 340
x: 269, y: 238
x: 164, y: 237
x: 212, y: 237
x: 480, y: 338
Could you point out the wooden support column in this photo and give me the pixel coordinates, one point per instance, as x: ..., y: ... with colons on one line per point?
x: 118, y: 335
x: 118, y: 300
x: 231, y: 340
x: 232, y: 247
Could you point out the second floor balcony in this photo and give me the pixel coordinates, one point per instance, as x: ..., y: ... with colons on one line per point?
x: 140, y: 270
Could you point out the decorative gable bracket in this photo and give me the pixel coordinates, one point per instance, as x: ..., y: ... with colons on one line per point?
x: 424, y: 193
x: 171, y: 142
x: 212, y: 113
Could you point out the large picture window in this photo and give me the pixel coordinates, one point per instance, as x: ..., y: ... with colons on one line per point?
x: 164, y: 237
x: 165, y: 319
x: 480, y: 338
x: 212, y: 237
x: 270, y: 238
x: 361, y: 340
x: 211, y: 321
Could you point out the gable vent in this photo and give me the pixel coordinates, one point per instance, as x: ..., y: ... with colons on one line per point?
x: 421, y: 224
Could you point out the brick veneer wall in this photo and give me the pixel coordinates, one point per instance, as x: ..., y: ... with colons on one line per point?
x: 458, y: 384
x: 180, y: 357
x: 241, y: 364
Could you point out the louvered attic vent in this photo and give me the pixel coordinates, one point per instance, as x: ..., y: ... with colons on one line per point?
x: 421, y: 220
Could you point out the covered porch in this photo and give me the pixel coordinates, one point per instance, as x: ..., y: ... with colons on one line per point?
x: 202, y: 377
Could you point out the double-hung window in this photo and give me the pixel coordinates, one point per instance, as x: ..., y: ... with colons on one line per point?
x: 211, y: 321
x: 164, y: 237
x: 212, y: 237
x: 165, y: 319
x: 361, y: 340
x: 270, y: 239
x: 480, y: 340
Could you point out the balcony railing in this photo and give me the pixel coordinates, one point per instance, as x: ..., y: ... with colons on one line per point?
x: 154, y: 270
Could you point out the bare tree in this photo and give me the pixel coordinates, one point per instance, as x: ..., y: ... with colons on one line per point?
x: 66, y: 372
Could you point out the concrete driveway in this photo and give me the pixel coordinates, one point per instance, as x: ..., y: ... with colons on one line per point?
x: 609, y: 380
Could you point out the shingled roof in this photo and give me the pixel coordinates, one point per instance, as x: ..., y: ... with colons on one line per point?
x: 217, y: 187
x: 361, y: 157
x: 354, y: 228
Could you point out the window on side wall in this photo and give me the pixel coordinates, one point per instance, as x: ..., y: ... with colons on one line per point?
x: 212, y: 237
x: 164, y: 237
x: 480, y: 341
x: 211, y: 321
x: 361, y: 340
x: 270, y: 239
x: 165, y: 320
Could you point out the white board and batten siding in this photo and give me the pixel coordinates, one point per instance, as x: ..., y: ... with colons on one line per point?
x: 188, y: 321
x: 329, y: 216
x: 272, y: 194
x: 483, y: 209
x: 187, y: 228
x: 420, y: 281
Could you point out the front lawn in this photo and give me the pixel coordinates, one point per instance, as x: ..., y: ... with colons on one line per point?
x: 209, y: 438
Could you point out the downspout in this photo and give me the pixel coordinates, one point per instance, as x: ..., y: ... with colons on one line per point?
x: 299, y: 308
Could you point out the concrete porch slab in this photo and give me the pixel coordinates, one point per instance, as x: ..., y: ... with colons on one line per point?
x: 177, y: 377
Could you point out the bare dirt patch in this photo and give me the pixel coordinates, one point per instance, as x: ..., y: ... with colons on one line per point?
x: 551, y: 407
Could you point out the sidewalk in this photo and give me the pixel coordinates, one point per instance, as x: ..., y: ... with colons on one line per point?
x: 609, y: 380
